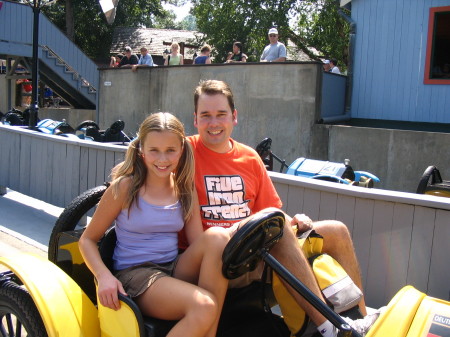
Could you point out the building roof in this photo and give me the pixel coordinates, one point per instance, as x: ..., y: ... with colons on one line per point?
x: 153, y: 39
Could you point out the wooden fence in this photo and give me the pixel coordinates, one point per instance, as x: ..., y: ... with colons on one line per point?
x: 400, y: 238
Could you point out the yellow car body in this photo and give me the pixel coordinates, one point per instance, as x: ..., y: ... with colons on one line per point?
x: 67, y: 311
x: 63, y: 306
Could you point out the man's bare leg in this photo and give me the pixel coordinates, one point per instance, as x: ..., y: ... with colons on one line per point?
x: 287, y: 251
x: 337, y: 243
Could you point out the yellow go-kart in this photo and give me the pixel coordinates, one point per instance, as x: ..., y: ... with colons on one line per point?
x: 56, y: 297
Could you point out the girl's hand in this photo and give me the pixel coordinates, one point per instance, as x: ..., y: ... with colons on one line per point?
x: 302, y: 222
x: 108, y: 289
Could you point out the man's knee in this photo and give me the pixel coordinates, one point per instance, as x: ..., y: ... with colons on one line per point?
x: 333, y: 229
x: 217, y: 236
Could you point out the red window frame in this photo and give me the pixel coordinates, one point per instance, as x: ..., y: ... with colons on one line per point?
x: 430, y: 42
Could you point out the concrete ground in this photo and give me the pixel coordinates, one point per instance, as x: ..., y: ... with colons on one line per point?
x: 25, y: 224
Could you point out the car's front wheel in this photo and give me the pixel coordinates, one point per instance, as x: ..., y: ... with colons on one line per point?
x: 18, y: 313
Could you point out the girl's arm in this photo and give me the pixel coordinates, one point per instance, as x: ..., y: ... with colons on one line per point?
x: 193, y: 227
x: 107, y: 211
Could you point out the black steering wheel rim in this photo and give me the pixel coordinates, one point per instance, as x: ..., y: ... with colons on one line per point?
x: 263, y: 148
x: 242, y: 252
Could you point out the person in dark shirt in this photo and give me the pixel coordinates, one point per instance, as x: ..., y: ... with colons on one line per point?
x: 204, y: 57
x: 237, y: 55
x: 128, y: 59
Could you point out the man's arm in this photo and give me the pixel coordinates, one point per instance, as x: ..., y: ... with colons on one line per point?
x: 147, y: 62
x: 282, y: 54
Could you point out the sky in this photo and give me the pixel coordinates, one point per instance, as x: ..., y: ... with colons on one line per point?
x: 180, y: 12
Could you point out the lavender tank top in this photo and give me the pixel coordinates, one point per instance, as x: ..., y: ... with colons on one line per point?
x: 148, y: 234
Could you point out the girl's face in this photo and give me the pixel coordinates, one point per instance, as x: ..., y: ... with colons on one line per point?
x: 161, y: 152
x: 174, y: 49
x: 235, y: 49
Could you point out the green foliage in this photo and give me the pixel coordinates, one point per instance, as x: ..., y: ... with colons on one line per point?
x: 307, y: 23
x: 189, y: 23
x: 224, y: 22
x: 321, y: 25
x: 92, y: 34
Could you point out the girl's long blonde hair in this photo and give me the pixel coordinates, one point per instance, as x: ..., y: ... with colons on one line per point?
x: 133, y: 166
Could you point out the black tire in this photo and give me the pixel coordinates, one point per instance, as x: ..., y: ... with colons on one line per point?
x: 430, y: 172
x: 18, y: 313
x: 72, y: 214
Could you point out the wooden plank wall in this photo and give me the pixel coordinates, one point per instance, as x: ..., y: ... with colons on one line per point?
x: 390, y: 49
x: 53, y: 168
x: 399, y: 238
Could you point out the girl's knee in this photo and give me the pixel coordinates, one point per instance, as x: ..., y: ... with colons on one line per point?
x: 205, y: 308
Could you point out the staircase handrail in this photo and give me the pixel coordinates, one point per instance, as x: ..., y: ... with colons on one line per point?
x: 76, y: 74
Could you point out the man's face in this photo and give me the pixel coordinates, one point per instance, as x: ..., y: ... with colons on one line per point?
x: 144, y: 52
x: 326, y: 66
x: 215, y: 121
x: 273, y: 38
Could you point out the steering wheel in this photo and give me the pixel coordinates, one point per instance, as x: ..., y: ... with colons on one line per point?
x: 430, y: 176
x: 117, y: 127
x: 263, y: 148
x: 259, y: 233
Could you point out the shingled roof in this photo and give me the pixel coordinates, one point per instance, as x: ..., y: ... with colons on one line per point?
x: 153, y: 39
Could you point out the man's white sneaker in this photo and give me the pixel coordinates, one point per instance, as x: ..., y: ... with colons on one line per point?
x: 363, y: 325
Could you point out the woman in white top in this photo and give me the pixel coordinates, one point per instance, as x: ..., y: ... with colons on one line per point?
x: 174, y: 58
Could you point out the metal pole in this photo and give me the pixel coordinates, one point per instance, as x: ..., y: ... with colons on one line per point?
x: 34, y: 108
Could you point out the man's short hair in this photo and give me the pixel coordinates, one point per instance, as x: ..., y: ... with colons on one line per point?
x: 144, y: 49
x: 334, y: 62
x: 213, y: 87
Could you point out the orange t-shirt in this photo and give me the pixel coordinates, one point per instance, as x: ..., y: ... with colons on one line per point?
x: 231, y: 186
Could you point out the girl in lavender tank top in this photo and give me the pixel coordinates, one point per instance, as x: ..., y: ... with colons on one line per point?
x: 151, y: 198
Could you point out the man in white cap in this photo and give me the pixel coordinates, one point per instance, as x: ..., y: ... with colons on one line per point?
x: 275, y: 51
x: 326, y: 66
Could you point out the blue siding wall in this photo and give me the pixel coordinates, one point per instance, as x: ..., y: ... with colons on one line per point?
x: 390, y: 52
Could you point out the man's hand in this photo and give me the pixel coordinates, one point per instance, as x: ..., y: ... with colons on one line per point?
x: 302, y: 222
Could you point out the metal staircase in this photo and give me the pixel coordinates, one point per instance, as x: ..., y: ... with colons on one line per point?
x: 62, y: 65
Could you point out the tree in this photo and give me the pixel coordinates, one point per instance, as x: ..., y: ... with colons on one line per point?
x: 189, y: 23
x: 322, y: 27
x: 91, y: 32
x: 226, y: 21
x: 307, y: 23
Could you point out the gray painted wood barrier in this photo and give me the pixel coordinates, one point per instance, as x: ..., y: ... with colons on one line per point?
x: 53, y: 168
x: 400, y: 238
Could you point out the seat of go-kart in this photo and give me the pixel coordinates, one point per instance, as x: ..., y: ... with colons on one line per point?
x: 243, y: 314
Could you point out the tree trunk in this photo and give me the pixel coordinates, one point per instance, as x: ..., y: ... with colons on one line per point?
x: 70, y: 23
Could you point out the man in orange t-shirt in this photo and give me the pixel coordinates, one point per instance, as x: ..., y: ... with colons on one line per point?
x: 232, y: 183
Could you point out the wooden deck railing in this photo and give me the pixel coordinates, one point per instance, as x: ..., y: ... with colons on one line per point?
x: 400, y: 238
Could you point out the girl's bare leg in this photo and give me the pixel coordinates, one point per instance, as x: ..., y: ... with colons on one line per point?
x: 172, y: 299
x: 201, y: 264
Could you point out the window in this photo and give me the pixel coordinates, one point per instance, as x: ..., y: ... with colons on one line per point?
x: 437, y: 64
